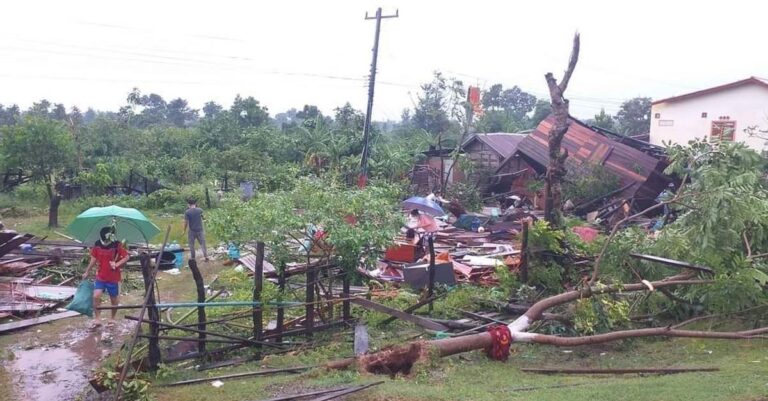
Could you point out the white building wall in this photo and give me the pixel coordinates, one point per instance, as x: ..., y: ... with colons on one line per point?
x: 681, y: 121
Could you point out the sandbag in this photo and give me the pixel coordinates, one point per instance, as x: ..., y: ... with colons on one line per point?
x: 83, y: 300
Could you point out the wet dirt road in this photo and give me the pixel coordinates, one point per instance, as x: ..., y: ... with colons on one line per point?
x: 47, y: 364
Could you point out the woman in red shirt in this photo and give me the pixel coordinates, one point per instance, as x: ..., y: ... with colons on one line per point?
x: 110, y: 256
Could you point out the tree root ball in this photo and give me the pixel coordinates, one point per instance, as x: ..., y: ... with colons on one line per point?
x: 395, y: 360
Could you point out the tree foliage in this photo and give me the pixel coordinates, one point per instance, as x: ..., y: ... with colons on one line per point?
x: 39, y: 146
x: 722, y: 224
x: 634, y: 116
x: 359, y: 223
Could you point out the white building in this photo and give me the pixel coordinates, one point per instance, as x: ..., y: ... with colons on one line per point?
x: 719, y: 113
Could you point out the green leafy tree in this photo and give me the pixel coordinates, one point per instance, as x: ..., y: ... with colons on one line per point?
x: 9, y: 115
x: 42, y: 148
x: 211, y: 109
x: 604, y: 120
x: 249, y: 112
x: 634, y: 116
x: 431, y: 113
x: 180, y: 114
x: 541, y: 111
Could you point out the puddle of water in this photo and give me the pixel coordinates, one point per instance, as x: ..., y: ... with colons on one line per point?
x: 60, y: 371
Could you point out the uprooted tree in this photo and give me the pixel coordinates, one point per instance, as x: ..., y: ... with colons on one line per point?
x: 723, y: 224
x: 556, y: 169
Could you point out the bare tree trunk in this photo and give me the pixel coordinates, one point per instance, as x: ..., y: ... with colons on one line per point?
x: 556, y: 169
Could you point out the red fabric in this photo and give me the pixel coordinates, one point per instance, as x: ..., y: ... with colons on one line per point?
x: 502, y: 339
x: 105, y: 255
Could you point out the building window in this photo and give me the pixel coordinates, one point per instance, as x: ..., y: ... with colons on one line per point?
x: 704, y: 115
x: 666, y: 123
x: 657, y: 115
x: 722, y: 131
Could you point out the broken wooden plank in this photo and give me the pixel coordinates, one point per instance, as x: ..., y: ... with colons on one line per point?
x: 304, y: 395
x: 345, y: 392
x: 414, y: 307
x: 672, y: 263
x: 296, y: 369
x: 620, y: 371
x: 31, y: 322
x: 417, y: 320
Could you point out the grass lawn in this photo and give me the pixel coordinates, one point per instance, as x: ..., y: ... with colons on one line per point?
x: 743, y: 375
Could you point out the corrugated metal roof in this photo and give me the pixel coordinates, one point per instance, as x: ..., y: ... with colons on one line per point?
x: 586, y: 146
x: 504, y: 143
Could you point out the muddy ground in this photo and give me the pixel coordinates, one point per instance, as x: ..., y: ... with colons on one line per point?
x: 54, y: 361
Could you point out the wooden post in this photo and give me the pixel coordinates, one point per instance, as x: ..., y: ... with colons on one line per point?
x: 280, y: 309
x: 207, y: 198
x: 431, y: 288
x: 200, y: 309
x: 258, y: 278
x: 309, y: 311
x: 524, y: 252
x: 346, y: 311
x: 154, y: 314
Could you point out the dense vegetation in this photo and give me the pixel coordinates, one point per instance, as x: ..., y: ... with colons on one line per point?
x: 182, y: 146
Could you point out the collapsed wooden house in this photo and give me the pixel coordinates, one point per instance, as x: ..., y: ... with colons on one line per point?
x: 638, y: 165
x: 486, y: 151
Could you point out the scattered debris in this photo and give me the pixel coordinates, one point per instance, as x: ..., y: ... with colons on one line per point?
x: 296, y: 369
x: 622, y: 371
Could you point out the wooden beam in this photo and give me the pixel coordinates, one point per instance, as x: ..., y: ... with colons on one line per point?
x: 345, y: 392
x: 240, y: 375
x: 622, y: 371
x: 38, y: 320
x: 672, y: 263
x: 417, y: 320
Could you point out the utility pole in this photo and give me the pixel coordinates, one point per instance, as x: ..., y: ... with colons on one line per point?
x: 363, y: 179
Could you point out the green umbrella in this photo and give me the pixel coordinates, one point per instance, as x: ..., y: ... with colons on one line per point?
x: 130, y: 224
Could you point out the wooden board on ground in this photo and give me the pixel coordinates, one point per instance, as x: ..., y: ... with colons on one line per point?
x: 31, y: 322
x: 417, y: 320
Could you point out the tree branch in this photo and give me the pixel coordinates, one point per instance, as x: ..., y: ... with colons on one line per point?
x: 571, y: 63
x: 746, y: 244
x: 615, y: 230
x: 652, y: 332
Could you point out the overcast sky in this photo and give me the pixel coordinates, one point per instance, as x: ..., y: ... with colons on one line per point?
x: 290, y: 53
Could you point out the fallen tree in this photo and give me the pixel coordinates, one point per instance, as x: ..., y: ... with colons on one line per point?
x: 402, y: 358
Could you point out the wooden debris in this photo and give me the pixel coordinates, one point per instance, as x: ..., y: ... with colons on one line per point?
x: 296, y: 369
x: 618, y: 371
x: 304, y: 395
x: 4, y: 328
x: 417, y: 320
x: 345, y: 392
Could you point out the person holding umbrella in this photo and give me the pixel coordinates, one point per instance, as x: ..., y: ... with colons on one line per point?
x: 99, y: 226
x: 111, y: 256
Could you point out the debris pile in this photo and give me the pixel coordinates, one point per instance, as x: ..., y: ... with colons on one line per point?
x: 29, y: 282
x: 467, y: 250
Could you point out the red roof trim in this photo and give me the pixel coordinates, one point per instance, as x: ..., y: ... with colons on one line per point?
x: 750, y: 80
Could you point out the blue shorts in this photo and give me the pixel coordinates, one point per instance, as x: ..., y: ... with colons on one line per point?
x: 111, y: 288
